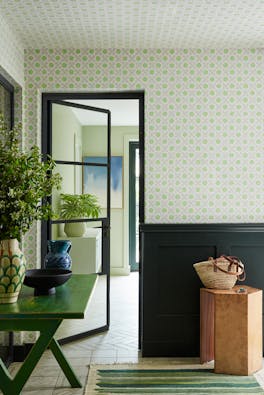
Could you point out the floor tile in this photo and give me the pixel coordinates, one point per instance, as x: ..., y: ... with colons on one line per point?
x: 67, y: 391
x: 127, y: 359
x: 107, y: 353
x: 41, y: 382
x: 103, y: 360
x: 37, y: 392
x: 118, y: 344
x: 48, y: 371
x: 62, y: 381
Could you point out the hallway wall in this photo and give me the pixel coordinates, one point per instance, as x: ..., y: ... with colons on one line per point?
x: 203, y: 123
x: 11, y: 54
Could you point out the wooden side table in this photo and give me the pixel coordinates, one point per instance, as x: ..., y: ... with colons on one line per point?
x: 231, y: 329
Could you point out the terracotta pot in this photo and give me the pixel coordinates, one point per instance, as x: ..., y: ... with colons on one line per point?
x: 12, y: 270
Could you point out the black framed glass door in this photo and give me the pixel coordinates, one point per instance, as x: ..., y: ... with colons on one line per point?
x: 83, y: 161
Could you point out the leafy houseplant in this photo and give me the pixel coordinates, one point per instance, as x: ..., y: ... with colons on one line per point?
x: 25, y: 180
x: 75, y: 207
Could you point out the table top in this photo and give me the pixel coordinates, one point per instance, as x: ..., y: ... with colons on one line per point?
x: 233, y: 291
x: 69, y: 301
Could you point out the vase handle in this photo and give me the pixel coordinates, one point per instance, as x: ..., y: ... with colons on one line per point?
x: 69, y: 249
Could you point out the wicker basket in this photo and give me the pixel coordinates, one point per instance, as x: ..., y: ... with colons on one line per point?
x: 220, y: 273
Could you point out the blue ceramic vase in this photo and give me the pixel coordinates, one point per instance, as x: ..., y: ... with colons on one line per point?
x: 58, y: 255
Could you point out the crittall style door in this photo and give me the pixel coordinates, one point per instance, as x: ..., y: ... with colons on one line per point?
x: 83, y: 161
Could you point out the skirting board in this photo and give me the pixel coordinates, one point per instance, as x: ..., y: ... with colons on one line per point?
x: 120, y: 271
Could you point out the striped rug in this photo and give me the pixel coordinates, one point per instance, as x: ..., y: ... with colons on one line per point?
x: 116, y: 380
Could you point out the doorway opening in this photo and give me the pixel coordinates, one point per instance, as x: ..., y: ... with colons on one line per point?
x: 83, y: 159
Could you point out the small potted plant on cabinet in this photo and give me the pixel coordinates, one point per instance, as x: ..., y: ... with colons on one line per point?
x: 76, y: 207
x: 25, y: 180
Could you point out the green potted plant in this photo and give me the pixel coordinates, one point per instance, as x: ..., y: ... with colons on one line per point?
x: 75, y: 207
x: 26, y: 179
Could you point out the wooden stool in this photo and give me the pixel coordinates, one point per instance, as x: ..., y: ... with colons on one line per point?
x: 231, y: 329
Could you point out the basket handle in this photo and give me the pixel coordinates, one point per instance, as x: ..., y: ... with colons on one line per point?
x: 233, y: 261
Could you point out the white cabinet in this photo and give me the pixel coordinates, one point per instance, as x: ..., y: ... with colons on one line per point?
x: 86, y: 252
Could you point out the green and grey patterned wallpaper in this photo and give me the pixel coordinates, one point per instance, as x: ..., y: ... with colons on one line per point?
x: 11, y: 53
x: 203, y: 118
x: 12, y: 68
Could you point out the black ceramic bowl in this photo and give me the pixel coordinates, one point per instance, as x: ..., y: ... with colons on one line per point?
x: 45, y: 280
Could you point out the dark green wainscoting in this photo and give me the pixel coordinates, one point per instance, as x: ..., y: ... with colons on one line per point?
x: 170, y: 286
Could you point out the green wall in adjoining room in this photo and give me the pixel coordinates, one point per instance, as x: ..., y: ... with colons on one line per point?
x: 65, y: 129
x: 93, y: 140
x: 94, y: 144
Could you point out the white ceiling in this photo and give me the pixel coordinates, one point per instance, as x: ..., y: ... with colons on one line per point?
x: 136, y: 23
x: 123, y: 112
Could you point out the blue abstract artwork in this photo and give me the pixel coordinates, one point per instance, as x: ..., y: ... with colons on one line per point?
x: 95, y: 180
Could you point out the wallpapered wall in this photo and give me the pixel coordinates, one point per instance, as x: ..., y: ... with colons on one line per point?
x: 203, y: 117
x: 12, y: 68
x: 204, y: 123
x: 11, y: 53
x: 17, y: 118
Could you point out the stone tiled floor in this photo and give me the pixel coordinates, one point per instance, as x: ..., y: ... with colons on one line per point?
x: 95, y: 316
x: 118, y: 345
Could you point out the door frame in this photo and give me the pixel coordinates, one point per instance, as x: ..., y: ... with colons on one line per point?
x: 133, y: 146
x: 45, y: 141
x: 10, y: 89
x: 9, y: 355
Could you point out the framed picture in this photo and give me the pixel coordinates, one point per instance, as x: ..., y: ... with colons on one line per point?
x: 95, y: 180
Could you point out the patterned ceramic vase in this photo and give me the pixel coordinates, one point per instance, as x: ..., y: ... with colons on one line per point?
x: 58, y: 256
x: 12, y: 270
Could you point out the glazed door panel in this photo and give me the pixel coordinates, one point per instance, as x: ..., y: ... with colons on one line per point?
x: 72, y: 144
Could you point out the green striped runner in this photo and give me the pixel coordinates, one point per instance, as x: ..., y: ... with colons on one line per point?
x: 173, y: 381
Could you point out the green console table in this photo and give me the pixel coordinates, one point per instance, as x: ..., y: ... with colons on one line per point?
x: 44, y: 314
